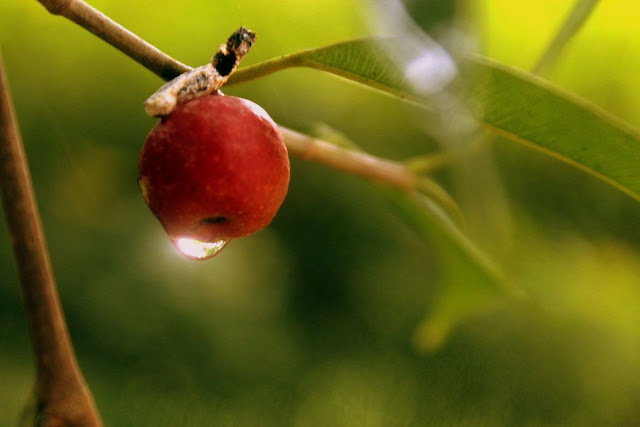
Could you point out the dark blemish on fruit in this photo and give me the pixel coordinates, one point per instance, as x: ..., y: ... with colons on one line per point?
x: 214, y: 220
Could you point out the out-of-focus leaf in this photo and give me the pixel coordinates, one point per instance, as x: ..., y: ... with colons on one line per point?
x: 508, y: 102
x: 473, y: 283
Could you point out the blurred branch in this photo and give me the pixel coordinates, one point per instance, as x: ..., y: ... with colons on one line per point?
x: 117, y: 36
x: 428, y: 163
x: 62, y: 395
x: 570, y: 26
x: 393, y: 174
x: 428, y: 187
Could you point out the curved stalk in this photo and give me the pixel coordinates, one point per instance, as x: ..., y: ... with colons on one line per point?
x: 355, y: 162
x: 61, y: 393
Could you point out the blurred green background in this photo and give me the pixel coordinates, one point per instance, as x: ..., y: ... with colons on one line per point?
x: 311, y: 321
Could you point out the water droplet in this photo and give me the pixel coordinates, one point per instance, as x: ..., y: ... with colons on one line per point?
x: 195, y: 249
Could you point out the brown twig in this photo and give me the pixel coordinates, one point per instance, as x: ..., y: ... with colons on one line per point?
x: 117, y: 36
x: 62, y: 395
x: 354, y: 162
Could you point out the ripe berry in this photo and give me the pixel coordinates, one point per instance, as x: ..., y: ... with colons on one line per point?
x: 215, y: 169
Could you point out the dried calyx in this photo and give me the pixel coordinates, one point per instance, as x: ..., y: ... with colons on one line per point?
x: 204, y: 80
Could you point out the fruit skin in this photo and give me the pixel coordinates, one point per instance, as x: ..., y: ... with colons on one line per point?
x: 215, y: 169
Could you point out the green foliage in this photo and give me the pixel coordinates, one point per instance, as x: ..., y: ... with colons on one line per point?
x: 509, y: 102
x: 528, y: 110
x: 321, y: 318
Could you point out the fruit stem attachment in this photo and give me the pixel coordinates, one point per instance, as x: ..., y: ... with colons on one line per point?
x: 62, y: 395
x: 203, y: 80
x: 298, y: 144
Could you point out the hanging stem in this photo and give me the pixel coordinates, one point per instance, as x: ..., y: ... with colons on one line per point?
x: 62, y: 395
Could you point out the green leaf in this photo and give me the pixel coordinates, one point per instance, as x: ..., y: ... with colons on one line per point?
x: 473, y: 284
x: 508, y: 102
x: 529, y: 110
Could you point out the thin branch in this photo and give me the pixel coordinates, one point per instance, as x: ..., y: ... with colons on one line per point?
x: 355, y: 162
x: 393, y: 174
x: 428, y: 163
x: 428, y: 187
x: 266, y: 67
x: 117, y: 36
x: 62, y: 395
x: 576, y: 18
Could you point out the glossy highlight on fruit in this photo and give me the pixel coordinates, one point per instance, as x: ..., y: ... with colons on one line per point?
x: 213, y: 170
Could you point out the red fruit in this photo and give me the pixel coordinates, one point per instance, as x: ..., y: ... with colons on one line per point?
x: 215, y: 169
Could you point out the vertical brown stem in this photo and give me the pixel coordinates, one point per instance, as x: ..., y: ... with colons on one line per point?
x: 62, y: 395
